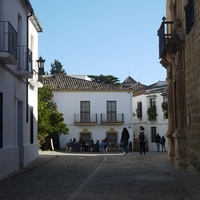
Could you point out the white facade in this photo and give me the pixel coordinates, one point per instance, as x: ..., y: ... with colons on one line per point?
x: 160, y: 125
x: 18, y: 109
x: 69, y: 104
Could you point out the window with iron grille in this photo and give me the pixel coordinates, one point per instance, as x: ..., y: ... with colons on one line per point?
x: 139, y: 109
x: 85, y: 111
x: 164, y: 106
x: 31, y: 125
x: 152, y: 110
x: 153, y: 134
x: 1, y: 120
x: 111, y: 111
x: 189, y: 15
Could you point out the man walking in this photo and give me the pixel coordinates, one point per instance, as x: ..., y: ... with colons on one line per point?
x: 157, y: 140
x: 142, y: 140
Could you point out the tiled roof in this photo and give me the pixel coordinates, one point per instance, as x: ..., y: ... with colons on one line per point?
x: 129, y: 80
x: 64, y: 82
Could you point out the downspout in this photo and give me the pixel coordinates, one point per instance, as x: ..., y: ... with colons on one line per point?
x: 27, y: 42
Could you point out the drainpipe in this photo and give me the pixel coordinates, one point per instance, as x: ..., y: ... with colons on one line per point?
x: 27, y: 42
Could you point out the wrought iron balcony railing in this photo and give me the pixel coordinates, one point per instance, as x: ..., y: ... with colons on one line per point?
x: 164, y: 34
x: 112, y: 118
x: 8, y: 43
x: 85, y: 118
x: 24, y: 57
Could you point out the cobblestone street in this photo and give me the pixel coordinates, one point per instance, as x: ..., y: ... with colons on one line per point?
x: 89, y: 177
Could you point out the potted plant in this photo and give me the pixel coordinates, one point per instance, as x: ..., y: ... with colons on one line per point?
x: 164, y: 106
x: 152, y: 113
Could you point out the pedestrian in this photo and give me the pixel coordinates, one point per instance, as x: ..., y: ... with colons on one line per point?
x: 162, y: 142
x: 157, y: 140
x: 124, y: 140
x: 142, y: 140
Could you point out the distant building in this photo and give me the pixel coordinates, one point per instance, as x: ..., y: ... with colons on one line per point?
x: 19, y: 29
x: 91, y: 110
x: 179, y: 50
x: 146, y: 98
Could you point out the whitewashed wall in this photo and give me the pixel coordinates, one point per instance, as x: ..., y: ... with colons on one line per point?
x: 161, y: 124
x: 69, y: 103
x: 16, y: 131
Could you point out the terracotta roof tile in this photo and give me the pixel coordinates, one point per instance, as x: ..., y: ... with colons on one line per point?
x: 64, y: 82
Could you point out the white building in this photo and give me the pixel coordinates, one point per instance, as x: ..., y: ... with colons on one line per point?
x: 91, y: 109
x: 19, y: 29
x: 143, y: 99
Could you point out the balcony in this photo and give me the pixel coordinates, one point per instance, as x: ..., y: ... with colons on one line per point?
x: 171, y: 37
x: 152, y: 113
x: 8, y: 43
x: 112, y: 118
x: 164, y: 34
x: 24, y: 57
x: 85, y: 119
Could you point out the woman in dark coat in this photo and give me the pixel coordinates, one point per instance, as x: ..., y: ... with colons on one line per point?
x: 124, y: 140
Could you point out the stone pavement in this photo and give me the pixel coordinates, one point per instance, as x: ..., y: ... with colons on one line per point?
x: 81, y: 176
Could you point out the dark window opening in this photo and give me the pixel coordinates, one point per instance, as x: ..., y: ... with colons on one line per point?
x: 153, y: 134
x: 85, y: 111
x: 1, y: 120
x: 189, y: 15
x: 111, y: 111
x: 31, y: 125
x: 139, y: 109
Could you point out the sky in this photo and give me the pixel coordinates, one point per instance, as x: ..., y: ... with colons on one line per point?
x: 108, y: 37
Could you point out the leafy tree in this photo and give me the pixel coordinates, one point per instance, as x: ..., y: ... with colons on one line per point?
x: 50, y: 121
x: 57, y: 68
x: 109, y: 79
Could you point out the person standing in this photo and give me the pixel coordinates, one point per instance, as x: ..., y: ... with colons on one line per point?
x: 124, y: 140
x: 157, y: 140
x: 162, y: 142
x: 142, y: 140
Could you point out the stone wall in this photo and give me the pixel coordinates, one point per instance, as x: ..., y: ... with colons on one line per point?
x: 184, y: 71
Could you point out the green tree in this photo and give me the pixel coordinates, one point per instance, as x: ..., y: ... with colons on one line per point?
x: 57, y: 68
x: 109, y: 79
x: 50, y: 121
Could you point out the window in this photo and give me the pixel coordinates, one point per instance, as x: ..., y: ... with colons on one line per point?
x: 111, y: 111
x: 164, y: 106
x: 139, y: 110
x: 152, y: 102
x: 31, y: 125
x: 1, y: 120
x: 152, y: 112
x: 189, y: 15
x: 85, y: 111
x: 153, y: 134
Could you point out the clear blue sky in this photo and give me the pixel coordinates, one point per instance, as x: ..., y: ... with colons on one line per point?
x: 109, y: 37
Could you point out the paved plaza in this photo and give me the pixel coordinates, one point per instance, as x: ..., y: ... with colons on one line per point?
x: 103, y: 176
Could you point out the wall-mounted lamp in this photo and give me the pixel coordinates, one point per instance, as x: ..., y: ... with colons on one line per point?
x: 38, y: 83
x: 40, y: 63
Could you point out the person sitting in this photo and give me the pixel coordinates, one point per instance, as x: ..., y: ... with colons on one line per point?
x: 91, y: 144
x: 82, y: 144
x: 104, y: 146
x: 69, y: 144
x: 87, y: 145
x: 96, y: 146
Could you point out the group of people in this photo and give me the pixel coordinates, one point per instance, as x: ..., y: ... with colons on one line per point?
x: 103, y: 145
x: 160, y: 141
x: 142, y: 139
x: 88, y: 145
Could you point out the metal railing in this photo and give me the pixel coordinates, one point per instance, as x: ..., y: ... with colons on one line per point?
x: 85, y: 118
x: 112, y: 118
x: 164, y: 34
x: 24, y: 57
x: 8, y: 38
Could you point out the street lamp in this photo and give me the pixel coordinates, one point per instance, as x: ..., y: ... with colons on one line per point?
x: 40, y: 63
